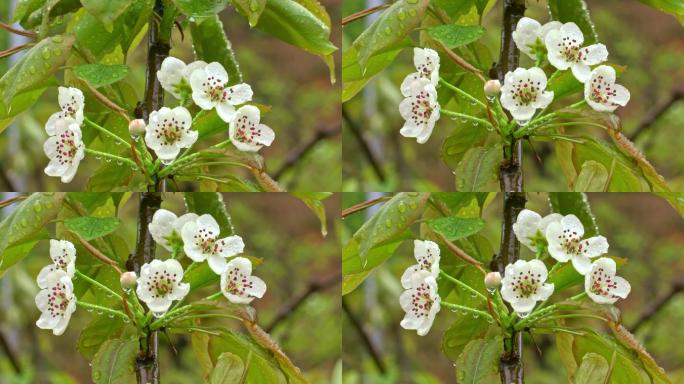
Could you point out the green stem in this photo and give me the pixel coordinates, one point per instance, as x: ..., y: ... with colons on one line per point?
x: 462, y: 92
x: 98, y: 284
x: 105, y: 131
x: 102, y: 309
x: 178, y: 162
x: 207, y: 315
x: 120, y: 159
x: 467, y: 309
x: 462, y: 285
x: 574, y: 315
x: 467, y: 117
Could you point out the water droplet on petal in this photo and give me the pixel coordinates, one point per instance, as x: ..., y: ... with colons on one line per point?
x: 158, y: 314
x: 523, y: 315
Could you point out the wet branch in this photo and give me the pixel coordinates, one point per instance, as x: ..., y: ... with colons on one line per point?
x: 656, y: 306
x: 365, y: 148
x: 298, y: 153
x: 365, y: 339
x: 656, y: 113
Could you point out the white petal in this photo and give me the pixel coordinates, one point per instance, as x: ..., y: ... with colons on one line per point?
x: 556, y: 250
x: 582, y: 264
x: 159, y: 304
x: 258, y: 287
x: 216, y: 70
x: 581, y: 71
x: 208, y: 222
x: 42, y: 277
x: 226, y: 111
x: 594, y: 246
x: 553, y: 41
x: 543, y: 292
x: 548, y: 27
x: 573, y: 224
x: 180, y: 291
x: 162, y: 226
x: 536, y: 75
x: 594, y: 54
x: 217, y: 263
x: 523, y: 113
x: 622, y: 95
x: 189, y: 245
x: 187, y: 139
x: 526, y: 226
x: 543, y: 99
x: 231, y: 246
x: 623, y: 287
x: 182, y: 220
x: 573, y: 32
x: 537, y: 267
x: 407, y: 278
x: 523, y: 305
x: 408, y: 85
x: 238, y: 94
x: 526, y: 33
x: 548, y: 219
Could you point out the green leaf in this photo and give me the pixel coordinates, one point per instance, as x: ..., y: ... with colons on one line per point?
x: 354, y: 272
x: 626, y: 338
x: 593, y: 370
x: 200, y: 347
x: 673, y: 7
x: 462, y: 138
x: 106, y: 10
x: 294, y: 24
x: 110, y: 177
x: 114, y: 363
x: 479, y: 362
x: 252, y: 8
x: 626, y: 177
x: 19, y: 103
x: 98, y: 331
x: 626, y: 368
x: 211, y: 44
x: 201, y: 8
x: 391, y: 27
x: 25, y: 225
x: 577, y: 12
x: 354, y: 78
x: 593, y: 177
x: 456, y: 35
x: 262, y: 367
x: 478, y: 171
x: 460, y: 333
x: 36, y: 65
x: 99, y: 75
x: 314, y: 200
x: 212, y: 204
x: 454, y: 228
x: 564, y: 345
x: 89, y: 227
x: 228, y: 369
x: 577, y: 204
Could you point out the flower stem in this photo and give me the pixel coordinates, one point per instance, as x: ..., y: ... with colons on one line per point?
x: 186, y: 159
x: 102, y: 309
x: 574, y: 315
x: 98, y: 284
x: 462, y: 92
x: 467, y: 117
x: 467, y: 309
x: 105, y: 131
x: 120, y: 159
x: 462, y: 285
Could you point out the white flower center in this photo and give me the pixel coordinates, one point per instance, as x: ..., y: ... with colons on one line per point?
x: 421, y: 110
x: 57, y: 300
x: 206, y: 241
x: 161, y: 283
x: 238, y: 283
x: 246, y: 130
x: 421, y: 301
x: 525, y: 284
x: 602, y: 283
x: 601, y: 90
x: 66, y: 147
x: 213, y: 87
x: 169, y: 131
x: 571, y: 243
x: 570, y: 50
x: 525, y: 91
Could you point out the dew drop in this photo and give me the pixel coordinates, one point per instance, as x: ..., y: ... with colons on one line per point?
x: 412, y: 12
x: 99, y: 312
x: 45, y: 54
x: 388, y: 31
x: 111, y: 316
x: 158, y: 314
x: 32, y: 69
x: 388, y: 223
x: 401, y: 15
x: 253, y: 6
x: 491, y: 290
x: 491, y: 98
x: 57, y: 39
x: 523, y: 315
x: 402, y: 207
x: 522, y: 122
x: 37, y: 208
x: 475, y: 315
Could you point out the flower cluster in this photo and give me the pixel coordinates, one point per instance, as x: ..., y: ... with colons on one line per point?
x: 561, y: 44
x: 56, y: 300
x: 64, y: 146
x: 524, y: 282
x: 420, y: 299
x: 420, y: 108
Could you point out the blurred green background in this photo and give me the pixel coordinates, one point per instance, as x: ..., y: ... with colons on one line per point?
x: 650, y: 44
x: 276, y: 227
x: 294, y: 83
x: 640, y: 227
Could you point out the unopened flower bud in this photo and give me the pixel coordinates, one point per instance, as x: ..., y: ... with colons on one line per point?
x: 492, y: 88
x: 128, y: 280
x: 136, y: 127
x: 492, y: 281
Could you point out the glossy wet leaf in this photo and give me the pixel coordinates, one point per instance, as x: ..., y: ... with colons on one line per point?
x: 354, y: 272
x: 252, y: 9
x: 625, y: 177
x: 460, y: 333
x: 36, y: 66
x: 201, y: 8
x: 454, y: 228
x: 627, y: 368
x: 478, y: 170
x: 99, y: 75
x: 593, y: 177
x: 354, y: 78
x: 114, y: 362
x: 211, y: 44
x: 99, y: 330
x: 106, y: 10
x: 456, y: 35
x: 228, y: 369
x: 479, y: 361
x: 592, y: 370
x: 314, y: 200
x: 89, y: 227
x: 463, y: 138
x: 262, y: 367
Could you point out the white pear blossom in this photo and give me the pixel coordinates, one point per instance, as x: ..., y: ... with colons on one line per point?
x: 237, y: 283
x: 160, y: 283
x: 174, y: 76
x: 601, y: 92
x: 63, y: 255
x: 524, y: 283
x: 56, y: 302
x: 210, y: 90
x: 168, y: 131
x: 201, y: 242
x: 565, y: 243
x: 524, y: 91
x: 602, y: 285
x: 65, y: 150
x: 71, y: 101
x: 529, y: 36
x: 166, y: 228
x: 565, y: 50
x: 530, y: 228
x: 426, y: 61
x: 421, y: 302
x: 421, y: 111
x: 247, y: 133
x: 426, y: 253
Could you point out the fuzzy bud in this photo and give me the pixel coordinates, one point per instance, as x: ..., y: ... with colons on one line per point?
x: 492, y: 88
x: 492, y: 281
x: 136, y: 127
x: 128, y: 280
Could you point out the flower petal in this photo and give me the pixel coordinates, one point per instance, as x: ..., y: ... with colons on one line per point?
x: 594, y: 54
x: 217, y: 263
x: 595, y: 246
x: 554, y: 234
x: 581, y: 263
x: 581, y: 71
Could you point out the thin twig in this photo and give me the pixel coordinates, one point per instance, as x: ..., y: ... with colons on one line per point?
x: 365, y: 148
x: 364, y: 205
x: 298, y: 153
x: 458, y: 252
x: 12, y: 51
x: 96, y: 253
x: 365, y: 339
x: 362, y: 14
x: 291, y: 305
x: 16, y: 31
x: 108, y: 103
x: 461, y: 61
x: 14, y: 361
x: 656, y: 306
x: 654, y: 114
